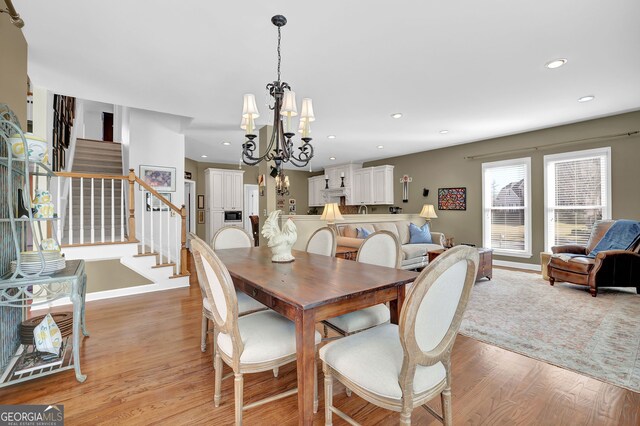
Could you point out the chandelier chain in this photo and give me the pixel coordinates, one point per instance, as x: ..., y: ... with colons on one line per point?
x: 279, y: 57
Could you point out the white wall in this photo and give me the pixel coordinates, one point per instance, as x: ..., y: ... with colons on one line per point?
x: 93, y: 119
x: 156, y: 139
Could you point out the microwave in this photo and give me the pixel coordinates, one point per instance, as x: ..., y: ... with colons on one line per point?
x: 233, y: 216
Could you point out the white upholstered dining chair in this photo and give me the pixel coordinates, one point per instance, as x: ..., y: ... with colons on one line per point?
x: 226, y: 238
x: 380, y: 248
x: 252, y: 343
x: 399, y: 367
x: 323, y: 242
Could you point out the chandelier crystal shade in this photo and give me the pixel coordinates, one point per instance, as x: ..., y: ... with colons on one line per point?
x: 280, y: 148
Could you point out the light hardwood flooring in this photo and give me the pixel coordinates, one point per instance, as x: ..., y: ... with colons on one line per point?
x: 144, y: 366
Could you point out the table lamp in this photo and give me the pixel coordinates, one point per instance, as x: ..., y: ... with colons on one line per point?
x: 331, y: 213
x: 428, y: 212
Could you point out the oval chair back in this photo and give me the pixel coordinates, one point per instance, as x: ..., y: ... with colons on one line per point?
x: 323, y: 242
x: 432, y: 313
x: 231, y: 237
x: 380, y: 248
x: 214, y: 278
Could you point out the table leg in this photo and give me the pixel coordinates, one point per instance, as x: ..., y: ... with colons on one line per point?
x: 395, y: 306
x: 78, y: 303
x: 84, y: 297
x: 306, y: 353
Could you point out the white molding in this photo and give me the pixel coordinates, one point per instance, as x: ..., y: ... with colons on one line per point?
x: 357, y: 218
x: 169, y: 284
x: 519, y: 265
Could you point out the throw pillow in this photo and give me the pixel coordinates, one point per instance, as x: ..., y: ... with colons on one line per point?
x: 362, y: 233
x: 420, y: 235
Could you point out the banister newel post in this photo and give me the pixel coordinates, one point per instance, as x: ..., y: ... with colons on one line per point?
x: 132, y: 206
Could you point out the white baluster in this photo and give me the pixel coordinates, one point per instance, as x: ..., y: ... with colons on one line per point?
x: 168, y: 235
x: 70, y: 211
x: 122, y: 210
x: 102, y: 211
x: 151, y: 230
x: 143, y: 214
x: 113, y: 213
x: 59, y: 222
x: 93, y: 213
x: 81, y: 210
x: 178, y: 243
x: 161, y: 206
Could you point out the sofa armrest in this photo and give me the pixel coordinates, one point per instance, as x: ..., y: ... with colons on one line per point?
x: 617, y: 268
x: 569, y: 248
x: 349, y: 241
x: 438, y: 238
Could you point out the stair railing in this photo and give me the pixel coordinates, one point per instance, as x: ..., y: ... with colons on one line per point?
x: 163, y: 226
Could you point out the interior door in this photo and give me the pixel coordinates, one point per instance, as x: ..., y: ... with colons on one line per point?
x: 251, y: 205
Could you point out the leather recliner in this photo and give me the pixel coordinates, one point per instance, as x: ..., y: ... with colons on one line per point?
x: 611, y: 268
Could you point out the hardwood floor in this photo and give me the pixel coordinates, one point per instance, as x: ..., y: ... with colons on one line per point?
x: 144, y: 366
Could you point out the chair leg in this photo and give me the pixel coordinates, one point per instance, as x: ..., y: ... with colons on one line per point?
x: 218, y: 377
x: 326, y: 329
x: 275, y: 371
x: 552, y: 281
x: 237, y: 386
x: 203, y: 333
x: 593, y: 291
x: 315, y: 386
x: 405, y: 417
x: 328, y: 397
x: 638, y: 290
x: 445, y: 397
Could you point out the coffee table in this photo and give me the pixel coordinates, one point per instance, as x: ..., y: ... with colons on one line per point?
x: 485, y: 266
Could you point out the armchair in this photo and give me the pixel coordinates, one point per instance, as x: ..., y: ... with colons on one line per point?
x: 609, y: 268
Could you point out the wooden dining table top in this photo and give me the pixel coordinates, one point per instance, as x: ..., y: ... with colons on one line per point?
x: 311, y: 280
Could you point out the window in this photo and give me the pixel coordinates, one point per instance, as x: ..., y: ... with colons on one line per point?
x: 577, y: 193
x: 506, y: 204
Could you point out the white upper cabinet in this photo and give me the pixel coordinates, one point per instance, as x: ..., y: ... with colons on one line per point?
x: 362, y: 188
x: 224, y: 189
x: 316, y: 185
x: 373, y: 185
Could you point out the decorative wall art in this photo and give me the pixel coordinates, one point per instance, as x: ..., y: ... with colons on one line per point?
x: 156, y: 205
x: 159, y: 178
x: 201, y: 217
x: 452, y: 198
x: 201, y: 201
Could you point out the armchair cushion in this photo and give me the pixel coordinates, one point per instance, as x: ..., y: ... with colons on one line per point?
x: 569, y: 248
x: 579, y: 264
x: 372, y: 360
x: 622, y: 235
x: 599, y: 229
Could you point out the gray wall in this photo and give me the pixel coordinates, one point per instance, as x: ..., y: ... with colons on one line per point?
x: 447, y: 167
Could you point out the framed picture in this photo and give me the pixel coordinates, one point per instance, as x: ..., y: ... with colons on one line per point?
x: 452, y: 198
x: 187, y: 175
x: 201, y: 216
x: 154, y: 203
x: 159, y: 178
x: 292, y: 201
x: 201, y: 201
x: 292, y: 208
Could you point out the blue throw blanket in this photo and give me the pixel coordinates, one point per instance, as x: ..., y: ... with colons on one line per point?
x: 622, y: 235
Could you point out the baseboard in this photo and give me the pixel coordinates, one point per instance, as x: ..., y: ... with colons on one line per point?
x: 120, y: 292
x: 518, y: 265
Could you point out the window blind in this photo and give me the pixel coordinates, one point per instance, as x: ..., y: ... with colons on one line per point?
x: 506, y: 206
x: 577, y: 195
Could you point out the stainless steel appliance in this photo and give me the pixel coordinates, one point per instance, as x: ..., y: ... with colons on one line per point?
x: 233, y: 216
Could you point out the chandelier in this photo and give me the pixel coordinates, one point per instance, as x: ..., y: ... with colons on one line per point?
x: 280, y: 148
x: 282, y: 184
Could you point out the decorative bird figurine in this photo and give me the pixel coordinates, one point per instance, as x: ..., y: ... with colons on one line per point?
x: 280, y: 241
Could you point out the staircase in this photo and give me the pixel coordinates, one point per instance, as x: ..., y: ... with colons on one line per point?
x: 95, y: 195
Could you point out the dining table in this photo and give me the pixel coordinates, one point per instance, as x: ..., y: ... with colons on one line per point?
x: 310, y: 289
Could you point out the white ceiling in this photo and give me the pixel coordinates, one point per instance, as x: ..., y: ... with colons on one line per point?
x: 475, y: 68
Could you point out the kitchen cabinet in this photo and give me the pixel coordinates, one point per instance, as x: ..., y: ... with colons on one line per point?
x: 362, y: 188
x: 373, y: 185
x: 223, y: 191
x: 316, y: 185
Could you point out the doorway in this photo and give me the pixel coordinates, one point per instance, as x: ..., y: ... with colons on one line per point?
x: 251, y: 205
x: 190, y: 205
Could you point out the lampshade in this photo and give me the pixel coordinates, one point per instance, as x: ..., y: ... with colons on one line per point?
x: 428, y: 212
x: 301, y: 127
x: 243, y: 124
x: 289, y: 104
x: 307, y: 110
x: 331, y: 213
x: 249, y: 107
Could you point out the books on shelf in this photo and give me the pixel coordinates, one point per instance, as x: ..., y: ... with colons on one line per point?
x: 33, y: 361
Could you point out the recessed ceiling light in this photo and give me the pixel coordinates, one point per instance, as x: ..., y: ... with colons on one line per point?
x: 586, y: 98
x: 380, y: 146
x: 332, y: 158
x: 226, y: 143
x: 444, y: 132
x: 556, y: 63
x: 396, y: 115
x: 203, y: 156
x: 331, y: 137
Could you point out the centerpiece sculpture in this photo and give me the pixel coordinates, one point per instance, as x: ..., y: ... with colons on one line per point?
x: 280, y: 241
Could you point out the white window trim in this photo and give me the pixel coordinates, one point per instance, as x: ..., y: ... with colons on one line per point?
x: 573, y: 155
x: 486, y: 234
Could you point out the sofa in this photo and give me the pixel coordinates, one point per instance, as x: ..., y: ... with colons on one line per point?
x: 413, y: 255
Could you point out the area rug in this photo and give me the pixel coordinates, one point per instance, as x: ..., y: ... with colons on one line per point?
x: 562, y: 325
